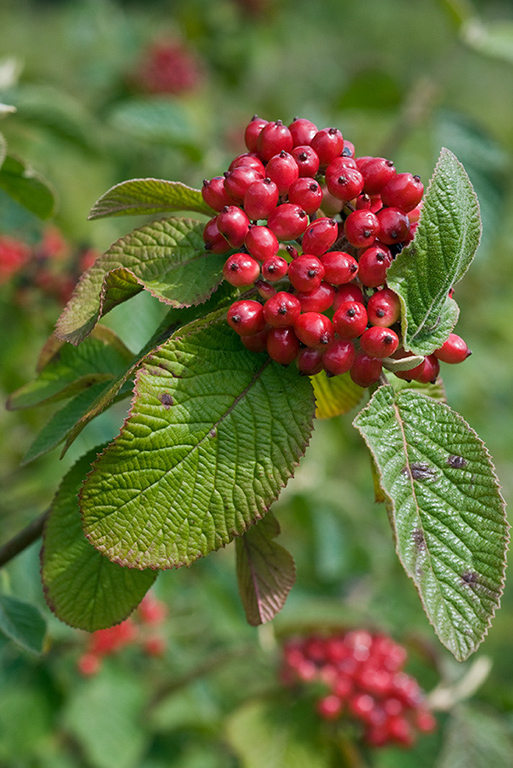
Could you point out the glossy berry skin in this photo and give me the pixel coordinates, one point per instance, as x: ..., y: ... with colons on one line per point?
x: 256, y: 342
x: 282, y: 310
x: 252, y: 132
x: 283, y: 170
x: 314, y: 329
x: 240, y: 269
x: 394, y: 226
x: 309, y: 361
x: 365, y: 370
x: 430, y: 370
x: 288, y: 221
x: 248, y: 160
x: 302, y: 131
x: 261, y: 242
x: 318, y: 300
x: 237, y: 181
x: 306, y: 159
x: 214, y: 193
x: 373, y: 265
x: 282, y: 345
x: 260, y: 199
x: 233, y: 224
x: 338, y: 357
x: 350, y: 320
x: 403, y: 191
x: 307, y: 193
x: 275, y: 268
x: 273, y: 138
x: 339, y: 267
x: 306, y: 272
x: 454, y: 350
x: 361, y: 228
x: 214, y: 240
x: 328, y: 143
x: 319, y: 236
x: 344, y: 184
x: 349, y: 292
x: 246, y: 317
x: 376, y: 172
x: 379, y: 342
x: 265, y: 289
x: 384, y: 308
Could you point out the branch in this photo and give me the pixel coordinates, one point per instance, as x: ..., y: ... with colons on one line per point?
x: 23, y: 539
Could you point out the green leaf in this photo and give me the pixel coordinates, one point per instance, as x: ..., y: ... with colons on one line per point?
x: 27, y: 187
x: 278, y: 733
x: 146, y: 196
x: 3, y: 149
x: 476, y: 738
x: 157, y: 120
x: 493, y: 38
x: 22, y: 623
x: 167, y: 258
x: 336, y: 395
x: 265, y: 571
x: 68, y: 370
x: 83, y: 588
x: 214, y: 433
x: 446, y: 510
x: 441, y: 252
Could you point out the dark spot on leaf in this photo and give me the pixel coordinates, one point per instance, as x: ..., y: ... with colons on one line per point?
x: 422, y: 471
x: 166, y: 400
x: 469, y: 577
x: 213, y: 432
x: 456, y: 461
x: 418, y: 538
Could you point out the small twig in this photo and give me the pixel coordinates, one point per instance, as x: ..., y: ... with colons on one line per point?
x: 23, y: 539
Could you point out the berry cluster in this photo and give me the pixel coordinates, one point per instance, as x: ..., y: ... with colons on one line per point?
x: 366, y: 681
x: 315, y: 229
x: 141, y: 630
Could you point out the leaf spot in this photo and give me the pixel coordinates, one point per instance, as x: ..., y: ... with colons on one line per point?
x: 422, y: 471
x: 469, y: 577
x: 458, y: 462
x: 166, y: 400
x: 213, y: 432
x: 418, y: 538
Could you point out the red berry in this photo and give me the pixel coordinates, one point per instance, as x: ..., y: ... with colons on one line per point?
x: 344, y: 184
x: 261, y: 198
x: 328, y: 143
x: 241, y: 269
x: 330, y: 707
x: 237, y: 181
x: 307, y: 193
x: 348, y: 150
x: 151, y: 610
x: 252, y: 132
x: 306, y: 159
x: 348, y: 292
x: 399, y: 730
x: 430, y: 370
x: 339, y: 267
x: 282, y: 345
x: 256, y: 342
x: 248, y: 160
x: 314, y: 329
x: 266, y: 290
x: 376, y: 172
x: 318, y: 300
x: 309, y: 361
x: 365, y: 370
x: 373, y: 265
x: 338, y: 357
x: 246, y: 317
x: 394, y: 226
x: 214, y: 193
x: 233, y: 224
x: 425, y: 721
x: 350, y: 320
x: 282, y: 310
x: 89, y: 664
x: 261, y: 242
x: 320, y: 235
x: 283, y: 170
x: 306, y: 272
x: 272, y: 139
x: 403, y: 191
x: 384, y: 308
x: 275, y: 268
x: 302, y: 131
x: 361, y: 228
x: 214, y: 240
x: 454, y: 350
x: 379, y: 342
x: 288, y: 221
x: 155, y: 645
x: 362, y: 705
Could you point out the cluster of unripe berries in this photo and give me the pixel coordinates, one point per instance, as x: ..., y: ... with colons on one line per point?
x: 314, y: 230
x: 364, y: 675
x: 141, y: 630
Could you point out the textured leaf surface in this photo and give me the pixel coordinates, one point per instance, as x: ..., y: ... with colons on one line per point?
x: 446, y: 511
x: 214, y: 433
x: 476, y: 738
x: 146, y: 196
x: 22, y: 623
x: 166, y: 257
x: 27, y: 187
x: 336, y: 395
x: 265, y: 571
x: 444, y: 246
x: 82, y: 587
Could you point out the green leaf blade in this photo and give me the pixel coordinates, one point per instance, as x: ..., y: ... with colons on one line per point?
x: 22, y: 623
x: 446, y: 240
x: 213, y: 435
x: 148, y: 196
x: 27, y: 187
x: 446, y: 511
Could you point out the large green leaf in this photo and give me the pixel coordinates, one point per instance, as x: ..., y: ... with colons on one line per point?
x: 27, y: 187
x: 335, y: 395
x: 22, y: 623
x: 476, y: 738
x: 82, y: 587
x: 167, y: 258
x: 441, y: 252
x: 265, y: 571
x: 446, y: 510
x: 214, y: 433
x: 146, y: 196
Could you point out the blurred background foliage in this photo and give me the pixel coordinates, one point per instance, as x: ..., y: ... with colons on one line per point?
x: 107, y: 90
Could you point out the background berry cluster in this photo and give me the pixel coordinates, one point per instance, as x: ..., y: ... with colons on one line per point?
x: 366, y: 683
x: 315, y: 230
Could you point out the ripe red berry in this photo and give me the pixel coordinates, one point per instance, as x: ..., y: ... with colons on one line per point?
x: 307, y: 193
x: 350, y: 320
x: 454, y: 350
x: 403, y: 191
x: 237, y: 181
x: 233, y: 224
x: 282, y: 345
x: 361, y: 228
x: 306, y: 159
x: 246, y: 317
x: 240, y: 269
x: 272, y: 139
x: 283, y: 170
x: 345, y: 184
x: 275, y: 268
x: 339, y: 267
x: 265, y: 289
x: 261, y: 242
x: 379, y: 342
x: 248, y: 160
x: 306, y: 272
x: 214, y: 240
x: 338, y: 357
x: 330, y: 707
x: 318, y: 300
x: 314, y: 329
x: 214, y: 193
x: 348, y: 292
x: 384, y: 308
x: 89, y: 664
x: 320, y: 235
x: 394, y: 226
x: 252, y: 132
x: 302, y: 131
x: 376, y: 172
x: 309, y: 361
x: 365, y: 370
x: 261, y: 198
x: 430, y: 370
x: 288, y: 221
x: 373, y: 265
x: 328, y: 143
x: 256, y: 342
x: 282, y: 310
